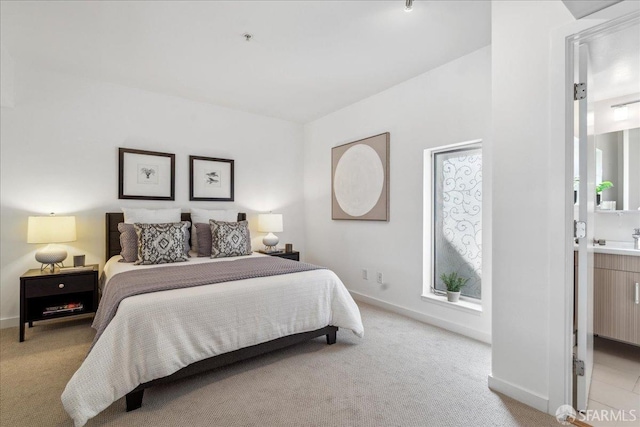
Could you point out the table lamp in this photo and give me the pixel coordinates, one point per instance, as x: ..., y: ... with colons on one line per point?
x: 270, y: 223
x: 51, y: 229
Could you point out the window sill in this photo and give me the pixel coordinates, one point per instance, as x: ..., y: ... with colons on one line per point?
x: 462, y: 305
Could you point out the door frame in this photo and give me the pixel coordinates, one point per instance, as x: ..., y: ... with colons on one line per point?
x: 561, y: 257
x: 583, y: 301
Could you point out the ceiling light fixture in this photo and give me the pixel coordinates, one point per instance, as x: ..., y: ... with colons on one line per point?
x: 624, y: 104
x: 408, y: 5
x: 247, y: 37
x: 621, y: 111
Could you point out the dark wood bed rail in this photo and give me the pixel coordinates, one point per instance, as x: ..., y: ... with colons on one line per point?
x: 134, y: 398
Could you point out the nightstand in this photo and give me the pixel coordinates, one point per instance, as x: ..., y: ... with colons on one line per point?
x: 295, y: 255
x: 67, y: 292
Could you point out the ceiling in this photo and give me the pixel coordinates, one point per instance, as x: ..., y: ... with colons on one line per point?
x: 305, y: 60
x: 615, y: 63
x: 581, y: 8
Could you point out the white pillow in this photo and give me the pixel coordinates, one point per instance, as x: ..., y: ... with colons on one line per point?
x: 204, y: 215
x: 151, y: 216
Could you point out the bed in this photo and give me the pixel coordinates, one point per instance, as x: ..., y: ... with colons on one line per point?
x: 163, y: 336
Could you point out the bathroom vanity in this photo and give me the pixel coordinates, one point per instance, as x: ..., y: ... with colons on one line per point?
x: 616, y: 289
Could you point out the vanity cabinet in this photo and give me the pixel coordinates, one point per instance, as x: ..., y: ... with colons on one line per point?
x: 616, y: 297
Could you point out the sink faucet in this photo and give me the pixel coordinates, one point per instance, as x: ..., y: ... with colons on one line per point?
x: 636, y: 238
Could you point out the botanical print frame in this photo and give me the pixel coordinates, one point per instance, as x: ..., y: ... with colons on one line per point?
x: 146, y: 175
x: 360, y: 179
x: 210, y: 179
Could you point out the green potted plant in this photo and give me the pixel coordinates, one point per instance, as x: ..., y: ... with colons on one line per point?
x: 600, y: 188
x: 454, y: 283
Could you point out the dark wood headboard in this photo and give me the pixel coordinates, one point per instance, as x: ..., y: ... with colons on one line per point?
x: 112, y: 236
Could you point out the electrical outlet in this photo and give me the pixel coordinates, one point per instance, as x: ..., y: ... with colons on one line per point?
x: 365, y: 274
x: 380, y: 278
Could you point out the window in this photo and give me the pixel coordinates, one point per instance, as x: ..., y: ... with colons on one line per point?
x: 453, y: 216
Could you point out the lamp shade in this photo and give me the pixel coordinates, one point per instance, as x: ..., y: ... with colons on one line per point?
x: 51, y: 229
x: 270, y: 223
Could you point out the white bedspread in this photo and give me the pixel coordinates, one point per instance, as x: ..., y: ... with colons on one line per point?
x: 154, y: 335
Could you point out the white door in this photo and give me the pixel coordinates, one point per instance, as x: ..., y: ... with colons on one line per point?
x: 586, y: 203
x: 606, y: 57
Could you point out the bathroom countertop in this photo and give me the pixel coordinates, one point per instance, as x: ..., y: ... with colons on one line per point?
x: 615, y: 248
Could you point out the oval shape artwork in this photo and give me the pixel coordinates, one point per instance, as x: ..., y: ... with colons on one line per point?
x: 358, y: 180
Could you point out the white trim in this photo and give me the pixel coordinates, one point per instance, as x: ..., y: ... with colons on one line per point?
x: 424, y: 318
x: 449, y: 147
x: 9, y: 322
x: 527, y: 397
x: 560, y: 257
x: 463, y: 304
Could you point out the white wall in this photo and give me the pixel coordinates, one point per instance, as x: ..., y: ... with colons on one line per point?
x: 560, y: 208
x: 447, y: 105
x: 525, y: 213
x: 59, y: 153
x: 6, y: 78
x: 616, y: 226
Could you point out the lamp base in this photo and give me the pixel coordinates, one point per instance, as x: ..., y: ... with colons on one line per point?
x: 51, y: 267
x: 51, y: 256
x: 270, y: 242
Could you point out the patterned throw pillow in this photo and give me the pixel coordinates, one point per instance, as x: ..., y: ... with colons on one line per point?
x: 161, y: 243
x: 129, y: 242
x: 202, y: 216
x: 230, y: 239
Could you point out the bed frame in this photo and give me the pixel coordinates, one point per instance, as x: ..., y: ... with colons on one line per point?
x: 134, y: 398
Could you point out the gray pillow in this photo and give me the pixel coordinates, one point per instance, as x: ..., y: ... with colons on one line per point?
x: 204, y: 239
x: 129, y: 242
x: 161, y: 243
x: 230, y: 239
x: 187, y: 234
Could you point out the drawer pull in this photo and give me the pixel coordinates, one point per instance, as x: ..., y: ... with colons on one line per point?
x: 637, y: 293
x: 61, y: 285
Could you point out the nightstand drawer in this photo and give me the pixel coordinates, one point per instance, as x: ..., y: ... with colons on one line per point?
x: 59, y: 285
x: 293, y: 255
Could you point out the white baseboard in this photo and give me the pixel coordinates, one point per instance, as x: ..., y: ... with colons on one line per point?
x: 527, y: 397
x: 9, y: 322
x: 425, y: 318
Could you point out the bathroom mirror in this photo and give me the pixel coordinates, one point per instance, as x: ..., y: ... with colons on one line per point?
x: 618, y: 161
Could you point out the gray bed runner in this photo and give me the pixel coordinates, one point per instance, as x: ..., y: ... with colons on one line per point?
x: 147, y: 280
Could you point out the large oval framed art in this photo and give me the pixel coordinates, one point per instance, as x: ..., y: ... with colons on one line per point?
x: 360, y: 179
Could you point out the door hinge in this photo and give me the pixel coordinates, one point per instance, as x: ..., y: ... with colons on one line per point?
x: 579, y: 91
x: 579, y: 229
x: 578, y: 366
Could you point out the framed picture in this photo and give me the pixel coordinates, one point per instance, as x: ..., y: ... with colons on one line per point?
x: 360, y: 179
x: 210, y: 179
x: 146, y: 175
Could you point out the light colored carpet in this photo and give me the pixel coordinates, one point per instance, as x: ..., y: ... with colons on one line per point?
x: 403, y: 373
